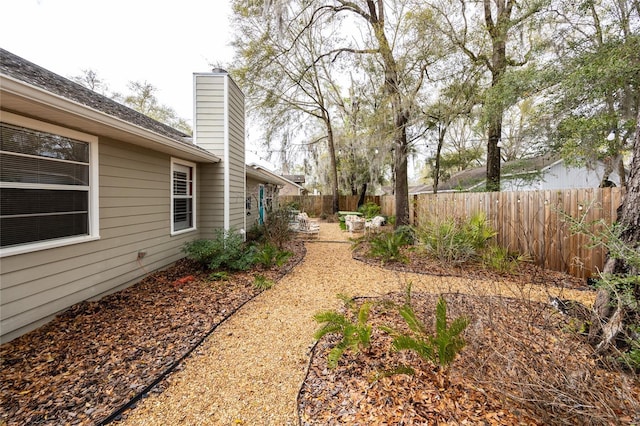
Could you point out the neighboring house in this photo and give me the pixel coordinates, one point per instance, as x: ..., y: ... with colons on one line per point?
x: 295, y: 185
x: 94, y: 194
x: 263, y: 188
x: 538, y: 173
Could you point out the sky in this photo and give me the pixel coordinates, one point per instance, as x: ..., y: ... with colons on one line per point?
x: 162, y: 42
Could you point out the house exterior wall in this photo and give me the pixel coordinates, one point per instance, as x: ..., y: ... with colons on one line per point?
x: 237, y: 179
x: 219, y: 128
x: 559, y: 176
x: 253, y: 187
x: 134, y: 200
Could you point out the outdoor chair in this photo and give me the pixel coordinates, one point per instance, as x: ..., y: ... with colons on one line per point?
x: 354, y: 223
x: 307, y: 227
x: 375, y: 223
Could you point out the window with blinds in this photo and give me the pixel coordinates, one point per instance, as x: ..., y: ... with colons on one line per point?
x: 182, y: 196
x: 44, y: 186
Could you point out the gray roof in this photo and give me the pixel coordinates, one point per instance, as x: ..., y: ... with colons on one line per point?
x: 295, y: 178
x: 467, y: 179
x: 20, y: 69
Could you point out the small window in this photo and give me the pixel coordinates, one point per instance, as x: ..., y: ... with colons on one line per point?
x: 182, y: 196
x: 48, y: 185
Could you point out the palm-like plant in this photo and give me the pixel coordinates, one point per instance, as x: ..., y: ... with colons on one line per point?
x: 355, y: 332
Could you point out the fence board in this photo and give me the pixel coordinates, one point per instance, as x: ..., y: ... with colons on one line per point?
x: 533, y: 222
x: 530, y: 222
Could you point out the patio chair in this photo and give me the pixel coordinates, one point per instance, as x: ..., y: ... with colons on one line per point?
x: 307, y: 227
x: 375, y: 223
x: 354, y: 223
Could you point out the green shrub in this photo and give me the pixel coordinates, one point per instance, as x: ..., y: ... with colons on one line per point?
x: 226, y: 250
x: 501, y: 259
x: 408, y: 234
x: 262, y: 283
x: 478, y: 231
x: 369, y: 210
x: 276, y: 228
x: 219, y: 276
x: 387, y: 246
x: 268, y: 255
x: 441, y: 348
x: 255, y: 234
x: 355, y: 332
x: 456, y: 241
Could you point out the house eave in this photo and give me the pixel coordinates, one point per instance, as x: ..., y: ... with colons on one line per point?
x: 25, y: 99
x: 260, y: 173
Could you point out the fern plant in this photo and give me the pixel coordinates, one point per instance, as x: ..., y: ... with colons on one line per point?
x: 261, y: 282
x: 387, y: 247
x: 355, y: 332
x: 269, y: 255
x: 440, y: 348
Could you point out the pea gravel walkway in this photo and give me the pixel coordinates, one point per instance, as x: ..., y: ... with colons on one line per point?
x: 248, y: 372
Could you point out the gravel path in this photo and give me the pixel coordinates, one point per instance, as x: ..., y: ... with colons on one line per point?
x: 248, y: 372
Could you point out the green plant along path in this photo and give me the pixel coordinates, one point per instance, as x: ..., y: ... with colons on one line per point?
x: 250, y: 369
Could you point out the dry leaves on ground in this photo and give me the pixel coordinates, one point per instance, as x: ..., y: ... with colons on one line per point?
x: 523, y: 364
x: 96, y: 356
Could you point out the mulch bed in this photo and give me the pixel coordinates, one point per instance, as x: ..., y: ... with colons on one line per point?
x: 525, y: 272
x: 523, y: 364
x: 96, y: 356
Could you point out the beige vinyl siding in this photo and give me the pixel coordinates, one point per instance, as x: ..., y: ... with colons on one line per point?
x: 237, y: 181
x: 211, y: 199
x: 209, y: 133
x: 134, y: 215
x: 209, y: 126
x: 219, y: 128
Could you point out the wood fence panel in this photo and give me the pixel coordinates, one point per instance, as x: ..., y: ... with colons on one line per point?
x: 534, y: 222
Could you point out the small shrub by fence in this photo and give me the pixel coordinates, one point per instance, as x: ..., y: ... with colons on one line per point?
x: 533, y: 222
x: 529, y: 222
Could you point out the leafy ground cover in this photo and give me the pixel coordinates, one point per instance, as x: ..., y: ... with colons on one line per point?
x: 524, y: 362
x: 96, y: 356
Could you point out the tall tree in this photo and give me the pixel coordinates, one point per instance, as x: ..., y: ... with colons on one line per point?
x: 599, y: 76
x: 284, y: 74
x: 485, y: 32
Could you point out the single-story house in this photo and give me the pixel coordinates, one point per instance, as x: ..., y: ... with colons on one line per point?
x: 94, y: 194
x: 544, y: 172
x: 263, y: 189
x: 295, y: 185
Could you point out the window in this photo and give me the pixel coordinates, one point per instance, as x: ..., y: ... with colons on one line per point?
x: 48, y: 185
x: 182, y: 196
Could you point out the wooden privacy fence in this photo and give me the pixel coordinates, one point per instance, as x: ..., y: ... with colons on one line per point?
x: 318, y: 205
x: 534, y: 222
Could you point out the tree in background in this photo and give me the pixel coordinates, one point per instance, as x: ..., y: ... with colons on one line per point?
x: 141, y: 98
x: 497, y: 35
x: 598, y: 90
x: 284, y: 73
x: 89, y: 79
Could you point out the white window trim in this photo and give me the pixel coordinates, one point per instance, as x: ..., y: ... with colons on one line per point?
x: 94, y: 185
x: 184, y: 163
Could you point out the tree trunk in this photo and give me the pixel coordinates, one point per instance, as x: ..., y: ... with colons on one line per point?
x: 363, y: 195
x: 400, y: 161
x: 334, y: 169
x: 436, y: 172
x: 629, y: 213
x: 609, y: 323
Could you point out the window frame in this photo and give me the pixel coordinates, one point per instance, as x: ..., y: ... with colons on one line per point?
x: 93, y: 191
x: 193, y: 196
